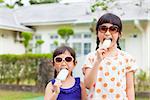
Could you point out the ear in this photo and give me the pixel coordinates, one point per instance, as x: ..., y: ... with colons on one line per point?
x: 75, y: 63
x: 120, y: 34
x: 50, y: 62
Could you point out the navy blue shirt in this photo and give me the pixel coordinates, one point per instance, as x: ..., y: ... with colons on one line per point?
x: 73, y: 93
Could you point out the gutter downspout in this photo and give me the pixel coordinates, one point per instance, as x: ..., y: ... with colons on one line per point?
x: 138, y: 25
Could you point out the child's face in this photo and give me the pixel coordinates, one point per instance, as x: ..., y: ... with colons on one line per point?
x: 108, y: 30
x: 64, y: 60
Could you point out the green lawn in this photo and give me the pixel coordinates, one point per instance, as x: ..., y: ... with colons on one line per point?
x: 139, y: 98
x: 15, y: 95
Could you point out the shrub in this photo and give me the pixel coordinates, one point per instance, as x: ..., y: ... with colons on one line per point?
x: 16, y: 69
x: 142, y: 81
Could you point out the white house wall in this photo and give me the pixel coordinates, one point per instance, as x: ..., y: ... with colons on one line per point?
x: 148, y: 47
x: 46, y: 31
x: 8, y: 45
x: 134, y: 47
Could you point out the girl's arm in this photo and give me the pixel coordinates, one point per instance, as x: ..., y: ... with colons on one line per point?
x: 52, y: 91
x: 90, y: 74
x: 130, y: 86
x: 83, y: 92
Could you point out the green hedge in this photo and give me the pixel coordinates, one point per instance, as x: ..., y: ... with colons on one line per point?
x: 19, y: 69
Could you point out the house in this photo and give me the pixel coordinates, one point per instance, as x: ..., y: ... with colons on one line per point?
x: 44, y: 21
x: 9, y: 32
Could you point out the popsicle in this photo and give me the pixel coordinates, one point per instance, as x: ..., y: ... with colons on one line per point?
x: 106, y: 43
x: 62, y: 75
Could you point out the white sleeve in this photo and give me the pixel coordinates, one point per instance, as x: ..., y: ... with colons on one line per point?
x: 131, y: 64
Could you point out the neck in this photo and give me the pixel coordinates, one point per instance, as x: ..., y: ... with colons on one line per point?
x: 111, y: 51
x: 113, y: 48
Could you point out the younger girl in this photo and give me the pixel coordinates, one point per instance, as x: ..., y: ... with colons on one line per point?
x: 71, y: 88
x: 109, y: 71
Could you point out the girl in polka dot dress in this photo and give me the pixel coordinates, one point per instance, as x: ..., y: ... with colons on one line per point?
x: 108, y: 72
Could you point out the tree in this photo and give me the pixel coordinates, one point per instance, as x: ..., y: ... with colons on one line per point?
x: 20, y: 3
x: 38, y: 43
x: 42, y: 1
x: 100, y: 4
x: 1, y: 1
x: 27, y: 37
x: 65, y: 33
x: 16, y: 3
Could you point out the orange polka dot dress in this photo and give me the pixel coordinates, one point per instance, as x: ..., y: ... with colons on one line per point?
x: 111, y: 77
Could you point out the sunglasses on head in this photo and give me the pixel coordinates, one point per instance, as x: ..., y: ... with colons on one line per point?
x: 58, y: 59
x: 112, y: 29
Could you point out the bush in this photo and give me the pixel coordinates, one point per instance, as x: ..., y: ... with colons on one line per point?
x: 142, y: 81
x: 16, y: 69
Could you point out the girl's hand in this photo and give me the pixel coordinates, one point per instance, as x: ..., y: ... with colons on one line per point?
x: 56, y: 87
x: 100, y: 53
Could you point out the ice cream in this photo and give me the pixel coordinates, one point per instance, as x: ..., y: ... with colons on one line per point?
x: 62, y: 75
x: 105, y: 44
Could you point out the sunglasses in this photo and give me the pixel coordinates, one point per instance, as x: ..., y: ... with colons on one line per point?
x: 112, y: 29
x: 58, y: 59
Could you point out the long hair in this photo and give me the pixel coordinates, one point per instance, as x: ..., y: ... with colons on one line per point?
x: 112, y: 19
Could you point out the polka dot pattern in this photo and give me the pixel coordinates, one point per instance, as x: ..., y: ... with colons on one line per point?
x: 111, y: 77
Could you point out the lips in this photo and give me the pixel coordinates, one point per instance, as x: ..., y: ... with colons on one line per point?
x: 64, y: 68
x: 107, y: 39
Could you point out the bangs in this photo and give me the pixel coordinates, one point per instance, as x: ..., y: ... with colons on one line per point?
x: 59, y: 51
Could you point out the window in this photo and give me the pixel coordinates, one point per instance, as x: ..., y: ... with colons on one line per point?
x: 87, y: 48
x: 38, y: 37
x: 77, y: 47
x: 87, y: 35
x: 52, y: 47
x: 54, y: 36
x: 38, y: 48
x: 77, y: 36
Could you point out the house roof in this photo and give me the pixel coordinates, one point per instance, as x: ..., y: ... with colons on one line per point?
x: 52, y: 13
x: 65, y: 13
x: 10, y: 22
x: 60, y: 13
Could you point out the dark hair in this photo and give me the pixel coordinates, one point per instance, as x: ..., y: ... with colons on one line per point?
x: 61, y: 50
x: 108, y: 18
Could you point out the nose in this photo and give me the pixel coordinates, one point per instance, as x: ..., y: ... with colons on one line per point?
x: 63, y: 62
x: 107, y: 33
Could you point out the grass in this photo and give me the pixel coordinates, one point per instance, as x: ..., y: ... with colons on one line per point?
x: 140, y: 98
x: 16, y: 95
